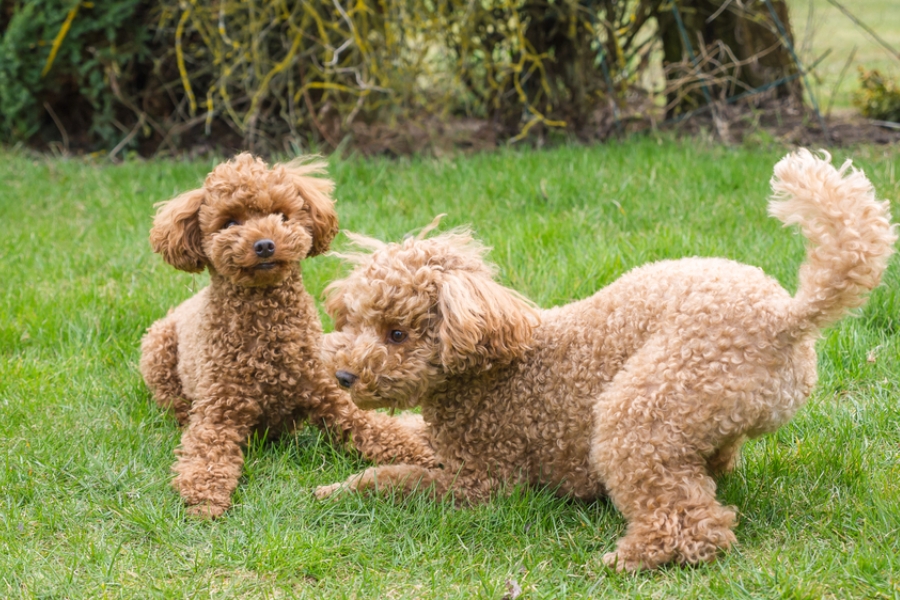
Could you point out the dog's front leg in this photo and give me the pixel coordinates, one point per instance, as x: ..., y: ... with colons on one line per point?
x: 378, y: 437
x: 402, y: 439
x: 400, y: 479
x: 210, y: 457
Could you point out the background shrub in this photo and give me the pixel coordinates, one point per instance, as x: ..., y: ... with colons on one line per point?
x: 878, y: 96
x: 389, y: 75
x: 68, y: 89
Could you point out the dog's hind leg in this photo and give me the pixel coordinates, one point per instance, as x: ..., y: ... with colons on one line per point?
x: 159, y: 366
x: 654, y: 431
x: 725, y: 458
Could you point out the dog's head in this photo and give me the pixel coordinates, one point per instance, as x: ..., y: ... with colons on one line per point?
x: 249, y: 223
x: 413, y: 314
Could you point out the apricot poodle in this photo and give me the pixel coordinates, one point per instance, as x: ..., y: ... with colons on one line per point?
x: 644, y: 391
x: 243, y: 354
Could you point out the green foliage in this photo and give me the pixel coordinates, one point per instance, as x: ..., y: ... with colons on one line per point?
x: 271, y: 73
x: 384, y: 75
x: 373, y: 70
x: 272, y: 68
x: 106, y: 38
x: 878, y: 96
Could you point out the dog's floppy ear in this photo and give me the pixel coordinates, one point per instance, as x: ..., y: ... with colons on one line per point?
x: 176, y: 232
x: 318, y: 205
x: 482, y: 322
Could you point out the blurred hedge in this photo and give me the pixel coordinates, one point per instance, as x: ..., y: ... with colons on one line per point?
x: 49, y: 87
x: 119, y: 75
x: 878, y: 96
x: 133, y: 74
x: 274, y: 69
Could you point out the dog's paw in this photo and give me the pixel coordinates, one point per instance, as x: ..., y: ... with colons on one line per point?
x: 329, y: 491
x: 619, y: 563
x: 206, y: 510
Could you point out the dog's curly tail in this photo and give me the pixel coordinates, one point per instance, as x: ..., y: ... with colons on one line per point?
x: 850, y: 234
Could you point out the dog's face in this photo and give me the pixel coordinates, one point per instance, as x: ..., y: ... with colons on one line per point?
x: 412, y: 315
x: 248, y: 223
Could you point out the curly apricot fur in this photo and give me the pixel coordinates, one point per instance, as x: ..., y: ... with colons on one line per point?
x: 644, y: 391
x: 244, y: 354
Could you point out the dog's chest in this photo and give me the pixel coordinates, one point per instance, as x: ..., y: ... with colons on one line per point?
x: 270, y: 353
x: 529, y: 425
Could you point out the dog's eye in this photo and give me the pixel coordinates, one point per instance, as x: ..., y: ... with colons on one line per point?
x: 284, y: 218
x: 396, y: 336
x: 231, y: 223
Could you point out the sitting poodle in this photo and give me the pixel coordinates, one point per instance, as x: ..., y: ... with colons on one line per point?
x: 645, y: 391
x: 243, y: 354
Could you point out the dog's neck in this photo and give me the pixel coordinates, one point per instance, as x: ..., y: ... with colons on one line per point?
x: 468, y: 387
x: 242, y: 296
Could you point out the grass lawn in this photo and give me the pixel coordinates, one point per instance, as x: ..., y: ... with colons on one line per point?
x: 85, y: 506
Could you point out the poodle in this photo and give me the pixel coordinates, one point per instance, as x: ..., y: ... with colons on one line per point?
x: 643, y: 392
x: 244, y: 354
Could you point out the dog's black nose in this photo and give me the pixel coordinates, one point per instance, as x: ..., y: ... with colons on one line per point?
x: 346, y: 379
x: 264, y: 248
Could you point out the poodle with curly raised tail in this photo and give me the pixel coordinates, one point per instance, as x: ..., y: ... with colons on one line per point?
x: 244, y: 354
x: 644, y: 391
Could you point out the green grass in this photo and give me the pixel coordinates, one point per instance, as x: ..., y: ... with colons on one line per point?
x: 827, y: 28
x: 85, y: 506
